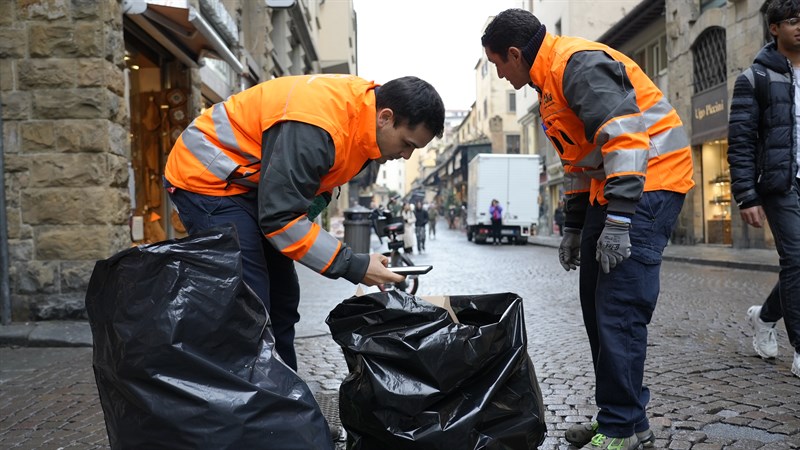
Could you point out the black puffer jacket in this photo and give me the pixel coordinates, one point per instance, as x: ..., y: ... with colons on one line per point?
x: 762, y: 157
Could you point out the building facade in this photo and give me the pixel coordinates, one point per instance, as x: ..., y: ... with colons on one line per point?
x: 95, y: 92
x: 709, y: 44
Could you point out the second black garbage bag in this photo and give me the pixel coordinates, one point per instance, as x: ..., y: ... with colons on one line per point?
x: 418, y: 380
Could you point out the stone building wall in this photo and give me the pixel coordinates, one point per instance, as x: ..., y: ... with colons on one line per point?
x: 65, y: 132
x: 744, y: 30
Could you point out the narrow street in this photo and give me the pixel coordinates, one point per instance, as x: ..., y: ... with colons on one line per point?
x: 709, y: 390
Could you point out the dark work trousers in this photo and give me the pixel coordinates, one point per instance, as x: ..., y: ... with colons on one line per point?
x: 497, y: 230
x: 269, y: 273
x: 618, y: 306
x: 783, y: 216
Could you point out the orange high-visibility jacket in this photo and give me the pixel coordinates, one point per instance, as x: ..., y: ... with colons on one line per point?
x: 616, y: 134
x: 219, y: 154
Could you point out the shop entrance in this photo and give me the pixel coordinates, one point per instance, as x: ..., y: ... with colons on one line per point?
x: 159, y: 111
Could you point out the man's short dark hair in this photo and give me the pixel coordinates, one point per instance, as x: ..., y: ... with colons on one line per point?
x: 779, y: 10
x: 511, y: 28
x: 413, y: 101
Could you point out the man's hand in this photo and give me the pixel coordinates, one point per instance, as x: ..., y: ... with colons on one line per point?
x: 614, y: 244
x: 569, y: 252
x: 754, y: 216
x: 377, y: 273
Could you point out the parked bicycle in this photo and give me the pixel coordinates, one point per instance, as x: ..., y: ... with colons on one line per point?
x: 392, y: 228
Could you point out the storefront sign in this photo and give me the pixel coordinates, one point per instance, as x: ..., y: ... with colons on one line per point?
x: 710, y: 114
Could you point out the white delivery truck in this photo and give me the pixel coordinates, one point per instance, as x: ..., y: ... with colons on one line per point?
x: 514, y: 181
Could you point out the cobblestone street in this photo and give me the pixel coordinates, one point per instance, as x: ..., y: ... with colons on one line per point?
x: 709, y: 389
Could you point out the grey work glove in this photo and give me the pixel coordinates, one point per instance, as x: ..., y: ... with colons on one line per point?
x: 614, y: 245
x: 569, y: 252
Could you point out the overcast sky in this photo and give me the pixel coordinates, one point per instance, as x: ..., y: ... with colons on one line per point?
x: 436, y: 40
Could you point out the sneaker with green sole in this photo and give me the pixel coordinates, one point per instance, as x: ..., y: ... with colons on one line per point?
x: 601, y: 441
x: 581, y: 434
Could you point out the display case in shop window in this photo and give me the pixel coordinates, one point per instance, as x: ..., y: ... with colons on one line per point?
x: 719, y: 225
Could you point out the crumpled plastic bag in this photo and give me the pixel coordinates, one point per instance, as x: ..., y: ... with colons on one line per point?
x: 418, y: 380
x: 183, y: 353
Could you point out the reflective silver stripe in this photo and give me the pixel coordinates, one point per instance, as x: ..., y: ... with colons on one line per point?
x: 626, y: 161
x: 292, y: 234
x: 597, y: 174
x: 592, y: 159
x: 224, y: 131
x: 207, y: 153
x: 576, y: 181
x: 656, y: 112
x: 618, y: 127
x: 322, y: 252
x: 668, y: 141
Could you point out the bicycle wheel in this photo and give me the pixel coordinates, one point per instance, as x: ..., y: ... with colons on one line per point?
x: 410, y: 284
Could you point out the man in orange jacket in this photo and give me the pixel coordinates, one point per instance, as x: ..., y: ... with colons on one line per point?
x: 264, y: 159
x: 628, y: 166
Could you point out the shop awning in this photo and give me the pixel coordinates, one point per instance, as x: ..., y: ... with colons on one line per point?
x: 182, y: 30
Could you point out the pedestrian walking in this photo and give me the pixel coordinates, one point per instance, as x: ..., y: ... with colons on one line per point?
x: 558, y: 217
x: 764, y: 157
x: 409, y: 228
x: 627, y: 165
x: 267, y: 156
x: 421, y: 216
x: 496, y: 216
x: 433, y: 216
x: 451, y: 217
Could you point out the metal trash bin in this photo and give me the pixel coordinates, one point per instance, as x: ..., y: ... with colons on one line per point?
x: 357, y: 228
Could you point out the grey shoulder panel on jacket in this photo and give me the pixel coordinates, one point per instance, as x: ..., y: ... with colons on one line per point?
x: 597, y: 88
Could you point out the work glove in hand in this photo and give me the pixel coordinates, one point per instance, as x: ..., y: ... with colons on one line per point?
x: 569, y: 252
x: 614, y: 245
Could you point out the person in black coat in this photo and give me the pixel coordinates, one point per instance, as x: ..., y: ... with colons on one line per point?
x: 763, y: 140
x: 422, y: 220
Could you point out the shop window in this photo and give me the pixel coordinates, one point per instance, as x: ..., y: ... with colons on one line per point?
x: 717, y: 192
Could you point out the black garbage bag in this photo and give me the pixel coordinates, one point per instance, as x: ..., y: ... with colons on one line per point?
x: 418, y: 380
x: 183, y: 353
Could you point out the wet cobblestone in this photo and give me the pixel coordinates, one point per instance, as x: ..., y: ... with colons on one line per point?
x: 709, y: 389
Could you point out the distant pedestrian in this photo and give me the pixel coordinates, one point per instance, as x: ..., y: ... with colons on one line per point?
x: 433, y: 215
x: 558, y: 217
x: 421, y: 215
x: 409, y: 228
x: 764, y: 157
x: 451, y: 217
x: 496, y: 216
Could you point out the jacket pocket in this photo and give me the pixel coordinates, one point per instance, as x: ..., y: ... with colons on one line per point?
x: 561, y: 139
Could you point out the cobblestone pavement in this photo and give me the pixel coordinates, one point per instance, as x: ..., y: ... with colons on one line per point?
x: 709, y: 389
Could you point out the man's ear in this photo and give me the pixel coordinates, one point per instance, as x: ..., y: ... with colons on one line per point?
x: 773, y: 29
x: 385, y: 116
x: 514, y: 53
